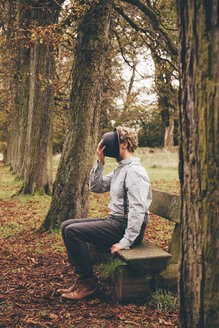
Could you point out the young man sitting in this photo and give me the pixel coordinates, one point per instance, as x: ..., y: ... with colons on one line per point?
x: 130, y: 198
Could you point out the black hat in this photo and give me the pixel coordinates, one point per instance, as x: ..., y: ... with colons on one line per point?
x: 112, y: 142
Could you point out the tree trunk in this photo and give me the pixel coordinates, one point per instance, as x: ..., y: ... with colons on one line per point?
x: 37, y: 159
x: 169, y: 134
x: 38, y: 150
x: 32, y: 71
x: 199, y: 99
x: 71, y: 188
x: 164, y: 93
x: 19, y: 126
x: 19, y: 62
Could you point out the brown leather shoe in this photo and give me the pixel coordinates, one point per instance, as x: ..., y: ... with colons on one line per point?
x: 66, y: 290
x: 70, y: 289
x: 85, y: 287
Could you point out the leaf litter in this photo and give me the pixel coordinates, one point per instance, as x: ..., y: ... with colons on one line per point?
x: 32, y: 270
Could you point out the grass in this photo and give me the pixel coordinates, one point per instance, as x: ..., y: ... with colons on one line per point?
x: 107, y: 269
x: 164, y: 300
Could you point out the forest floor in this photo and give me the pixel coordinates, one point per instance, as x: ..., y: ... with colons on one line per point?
x: 34, y: 266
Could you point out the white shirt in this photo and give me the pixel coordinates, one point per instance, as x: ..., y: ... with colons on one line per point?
x: 139, y: 195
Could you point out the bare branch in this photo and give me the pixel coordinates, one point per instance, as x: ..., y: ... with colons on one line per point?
x: 146, y: 32
x: 156, y: 23
x: 133, y: 67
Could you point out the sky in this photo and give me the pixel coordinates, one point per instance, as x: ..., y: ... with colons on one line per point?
x: 145, y: 71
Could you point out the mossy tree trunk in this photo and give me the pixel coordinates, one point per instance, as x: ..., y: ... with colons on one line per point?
x: 29, y: 149
x: 199, y: 99
x: 37, y: 159
x: 38, y: 145
x: 167, y: 99
x: 71, y: 188
x: 19, y: 65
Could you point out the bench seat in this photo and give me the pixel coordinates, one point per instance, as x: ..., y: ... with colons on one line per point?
x: 145, y: 258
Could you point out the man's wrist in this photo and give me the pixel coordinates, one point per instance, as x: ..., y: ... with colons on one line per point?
x: 100, y: 162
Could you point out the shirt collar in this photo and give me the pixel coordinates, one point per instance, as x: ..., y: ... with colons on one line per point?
x: 129, y: 161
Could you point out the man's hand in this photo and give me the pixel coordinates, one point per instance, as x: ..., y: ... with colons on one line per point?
x: 100, y: 153
x: 115, y: 248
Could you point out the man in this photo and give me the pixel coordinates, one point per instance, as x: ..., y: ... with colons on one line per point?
x: 130, y: 198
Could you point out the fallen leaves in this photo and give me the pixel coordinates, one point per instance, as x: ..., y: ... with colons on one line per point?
x: 32, y: 270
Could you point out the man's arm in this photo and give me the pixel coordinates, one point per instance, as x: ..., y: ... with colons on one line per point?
x: 139, y: 197
x: 98, y: 183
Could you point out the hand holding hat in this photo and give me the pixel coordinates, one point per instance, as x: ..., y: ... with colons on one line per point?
x: 100, y: 153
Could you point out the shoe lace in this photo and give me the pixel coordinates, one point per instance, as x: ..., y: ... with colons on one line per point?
x: 78, y: 284
x: 81, y: 285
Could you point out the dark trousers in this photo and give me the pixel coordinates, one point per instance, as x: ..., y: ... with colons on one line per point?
x: 101, y: 232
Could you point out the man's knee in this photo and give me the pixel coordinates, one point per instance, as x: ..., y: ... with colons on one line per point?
x: 70, y: 232
x: 63, y: 226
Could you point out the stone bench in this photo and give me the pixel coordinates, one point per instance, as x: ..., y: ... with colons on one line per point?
x: 146, y: 266
x: 145, y: 257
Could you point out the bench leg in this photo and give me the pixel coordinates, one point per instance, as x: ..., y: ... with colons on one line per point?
x: 174, y: 248
x: 130, y: 285
x: 167, y: 279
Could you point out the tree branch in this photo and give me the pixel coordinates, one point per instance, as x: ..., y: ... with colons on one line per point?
x: 157, y: 25
x: 133, y: 67
x: 146, y: 32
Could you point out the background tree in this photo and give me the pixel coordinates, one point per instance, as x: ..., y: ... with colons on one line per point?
x: 199, y: 99
x: 32, y: 67
x: 132, y: 51
x: 62, y: 83
x: 120, y: 102
x: 156, y: 24
x: 5, y: 90
x: 71, y: 187
x: 38, y: 143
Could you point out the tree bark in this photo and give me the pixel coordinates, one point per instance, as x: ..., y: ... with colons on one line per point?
x: 169, y: 134
x: 199, y: 99
x: 38, y: 149
x: 166, y: 95
x: 37, y: 159
x: 71, y: 188
x: 19, y: 61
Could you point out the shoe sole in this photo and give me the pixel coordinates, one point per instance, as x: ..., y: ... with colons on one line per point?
x: 65, y: 291
x: 91, y: 293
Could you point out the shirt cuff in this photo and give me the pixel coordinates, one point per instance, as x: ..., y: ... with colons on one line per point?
x: 125, y: 243
x: 97, y: 166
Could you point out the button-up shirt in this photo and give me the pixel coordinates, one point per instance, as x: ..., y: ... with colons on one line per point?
x: 131, y: 174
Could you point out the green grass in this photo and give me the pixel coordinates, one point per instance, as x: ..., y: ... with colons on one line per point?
x: 8, y: 307
x: 107, y: 269
x: 9, y: 184
x: 164, y: 300
x: 10, y: 229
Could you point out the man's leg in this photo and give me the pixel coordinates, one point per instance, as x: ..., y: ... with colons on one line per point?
x: 81, y: 245
x: 101, y: 232
x: 76, y: 234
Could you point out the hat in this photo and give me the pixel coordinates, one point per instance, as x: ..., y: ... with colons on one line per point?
x: 112, y: 142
